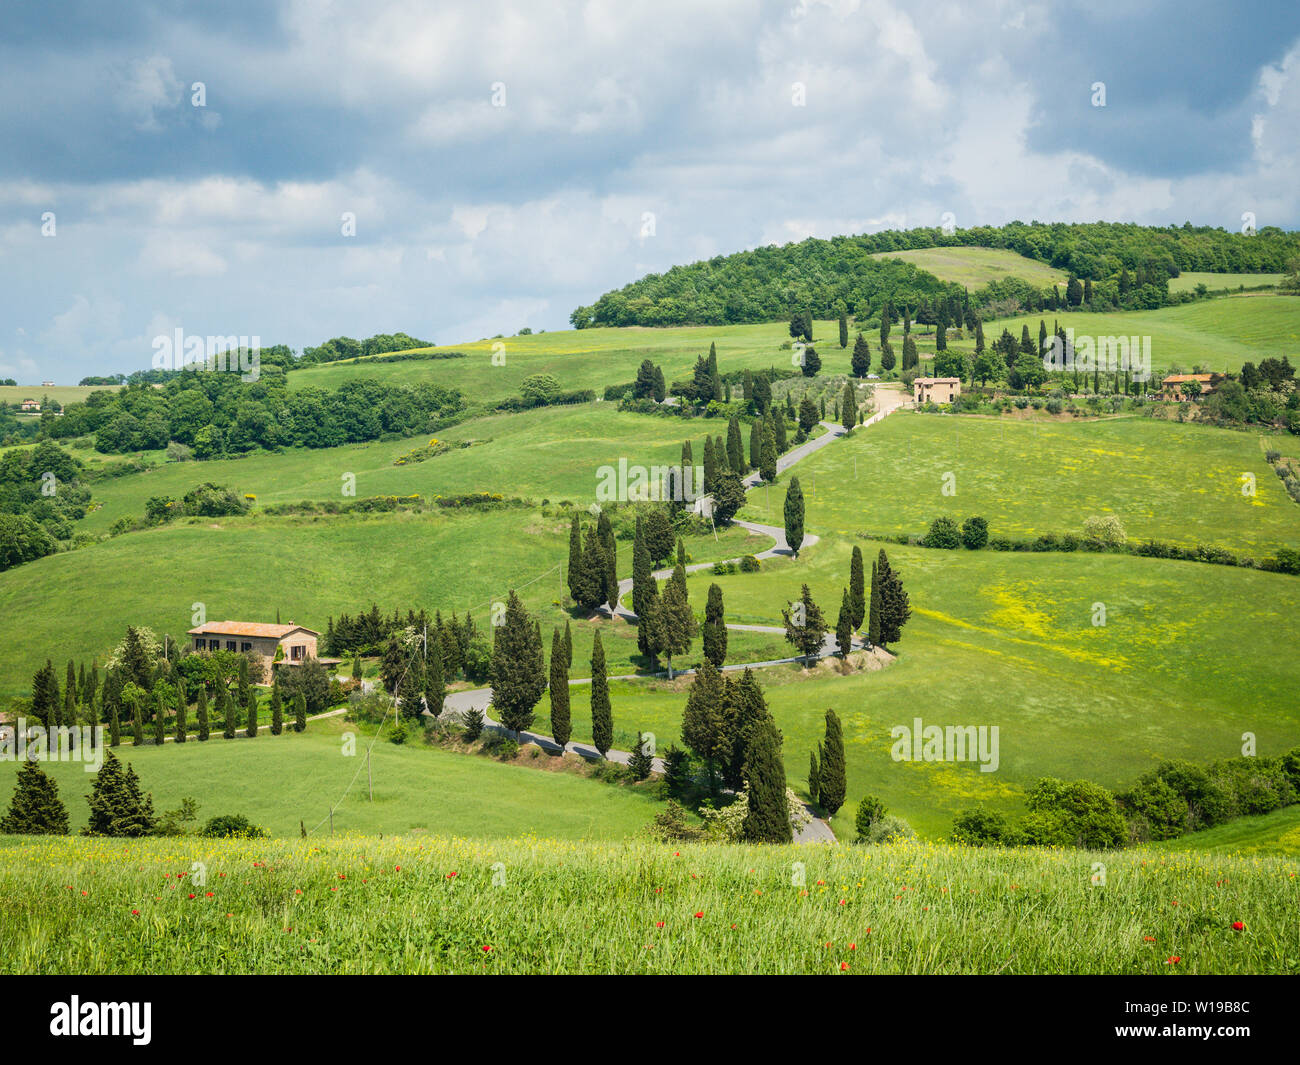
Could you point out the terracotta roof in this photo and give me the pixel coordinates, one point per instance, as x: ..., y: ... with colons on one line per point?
x: 938, y: 380
x: 1179, y: 378
x: 248, y: 628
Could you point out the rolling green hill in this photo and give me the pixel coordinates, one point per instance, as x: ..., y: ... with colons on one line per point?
x: 974, y: 267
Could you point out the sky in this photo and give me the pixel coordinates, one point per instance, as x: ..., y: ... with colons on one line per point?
x: 302, y: 169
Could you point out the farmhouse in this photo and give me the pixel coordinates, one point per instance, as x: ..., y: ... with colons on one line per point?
x: 1174, y: 387
x: 297, y: 643
x: 31, y: 404
x: 936, y: 389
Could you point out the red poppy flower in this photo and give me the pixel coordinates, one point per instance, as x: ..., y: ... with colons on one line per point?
x: 1148, y: 939
x: 699, y: 913
x: 1174, y: 960
x: 1238, y: 926
x: 191, y: 896
x: 844, y: 966
x: 135, y: 913
x: 487, y: 948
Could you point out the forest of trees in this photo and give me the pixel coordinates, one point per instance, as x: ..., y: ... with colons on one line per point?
x: 827, y: 277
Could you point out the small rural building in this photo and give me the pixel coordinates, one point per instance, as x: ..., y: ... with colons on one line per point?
x: 936, y: 389
x: 47, y: 384
x: 297, y: 643
x: 1174, y: 387
x: 31, y: 404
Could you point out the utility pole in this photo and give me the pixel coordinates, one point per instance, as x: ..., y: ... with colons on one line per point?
x: 369, y: 778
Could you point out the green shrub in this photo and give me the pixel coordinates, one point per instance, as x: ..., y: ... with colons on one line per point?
x: 232, y: 826
x: 888, y: 829
x: 943, y: 534
x: 870, y: 810
x: 749, y: 564
x: 975, y: 533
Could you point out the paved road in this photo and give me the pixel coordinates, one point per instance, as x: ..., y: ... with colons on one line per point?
x: 481, y: 698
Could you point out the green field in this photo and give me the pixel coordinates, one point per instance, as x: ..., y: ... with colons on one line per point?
x: 1187, y: 281
x: 11, y: 395
x: 1191, y: 656
x: 308, y: 569
x: 1273, y: 833
x: 428, y: 904
x: 417, y: 788
x: 552, y: 453
x: 1163, y: 480
x: 975, y: 267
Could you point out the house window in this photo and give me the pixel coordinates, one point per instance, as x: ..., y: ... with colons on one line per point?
x: 295, y: 653
x: 245, y: 646
x: 230, y: 645
x: 199, y: 644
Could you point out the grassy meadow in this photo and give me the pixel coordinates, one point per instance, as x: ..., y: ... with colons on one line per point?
x: 416, y: 904
x: 1190, y: 657
x: 976, y: 267
x: 1163, y: 480
x: 417, y: 788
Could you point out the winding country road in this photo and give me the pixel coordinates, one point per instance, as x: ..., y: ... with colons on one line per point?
x: 818, y: 831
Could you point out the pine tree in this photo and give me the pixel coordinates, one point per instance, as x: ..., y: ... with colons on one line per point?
x: 805, y: 625
x: 602, y: 719
x: 844, y: 626
x: 642, y: 761
x: 250, y: 728
x: 744, y: 708
x: 117, y: 806
x: 814, y: 783
x: 735, y: 449
x: 36, y: 809
x: 299, y: 712
x: 860, y: 361
x: 857, y: 590
x: 277, y: 709
x: 704, y: 720
x: 226, y: 706
x: 561, y: 725
x: 435, y: 684
x: 768, y: 817
x: 714, y: 633
x: 794, y: 512
x: 518, y: 678
x: 201, y: 714
x: 831, y: 778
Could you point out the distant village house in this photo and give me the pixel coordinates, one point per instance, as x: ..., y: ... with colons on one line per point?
x: 936, y: 389
x: 31, y: 404
x: 1175, y: 386
x: 294, y: 643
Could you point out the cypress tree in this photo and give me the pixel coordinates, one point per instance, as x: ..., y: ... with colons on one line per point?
x: 201, y: 715
x: 250, y: 729
x: 768, y: 817
x: 735, y: 449
x: 679, y: 625
x: 45, y: 696
x: 518, y: 679
x: 794, y: 510
x: 778, y: 432
x: 895, y: 609
x: 277, y: 709
x: 299, y: 712
x: 767, y: 469
x: 568, y: 645
x: 577, y: 574
x: 602, y: 719
x: 561, y: 724
x: 660, y: 387
x: 710, y: 466
x: 814, y: 784
x: 720, y: 458
x: 877, y: 605
x: 642, y: 568
x: 714, y: 634
x: 831, y: 777
x: 70, y: 697
x: 226, y: 707
x: 83, y: 692
x: 609, y: 572
x: 410, y: 689
x: 435, y: 684
x: 159, y: 718
x: 808, y: 633
x: 243, y: 687
x: 137, y: 721
x: 356, y: 665
x: 857, y: 589
x: 36, y: 809
x: 979, y: 336
x: 844, y: 626
x: 844, y: 330
x: 589, y: 587
x: 745, y: 707
x: 182, y: 715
